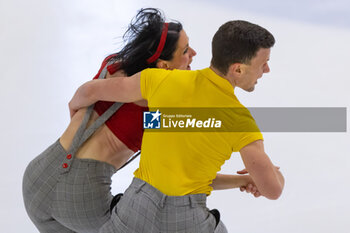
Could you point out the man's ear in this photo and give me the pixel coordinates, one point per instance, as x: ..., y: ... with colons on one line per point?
x: 235, y: 69
x: 161, y: 64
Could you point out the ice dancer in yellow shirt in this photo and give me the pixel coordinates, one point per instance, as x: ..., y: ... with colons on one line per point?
x: 168, y: 193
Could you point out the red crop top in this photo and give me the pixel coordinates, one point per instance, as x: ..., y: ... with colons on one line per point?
x: 126, y: 123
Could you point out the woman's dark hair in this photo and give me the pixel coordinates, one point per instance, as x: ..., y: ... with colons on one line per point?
x: 142, y: 38
x: 238, y: 41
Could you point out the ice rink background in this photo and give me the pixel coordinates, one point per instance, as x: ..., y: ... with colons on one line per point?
x: 49, y: 48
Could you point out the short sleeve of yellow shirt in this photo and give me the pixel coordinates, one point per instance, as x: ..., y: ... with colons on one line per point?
x: 242, y: 139
x: 245, y: 139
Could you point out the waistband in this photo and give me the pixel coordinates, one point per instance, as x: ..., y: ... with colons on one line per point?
x: 81, y: 163
x: 161, y: 199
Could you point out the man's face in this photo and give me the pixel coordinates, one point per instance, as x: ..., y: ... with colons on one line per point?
x: 252, y: 72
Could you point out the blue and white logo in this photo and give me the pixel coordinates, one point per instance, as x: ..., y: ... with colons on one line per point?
x: 151, y: 120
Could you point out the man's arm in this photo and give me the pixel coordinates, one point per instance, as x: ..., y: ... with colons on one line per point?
x: 267, y: 178
x: 119, y: 89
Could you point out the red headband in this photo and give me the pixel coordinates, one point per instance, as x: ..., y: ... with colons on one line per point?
x: 160, y: 45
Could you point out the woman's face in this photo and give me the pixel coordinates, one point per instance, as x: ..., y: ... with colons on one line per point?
x: 183, y: 54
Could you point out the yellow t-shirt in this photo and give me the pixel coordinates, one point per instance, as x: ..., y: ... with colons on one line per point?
x: 181, y: 163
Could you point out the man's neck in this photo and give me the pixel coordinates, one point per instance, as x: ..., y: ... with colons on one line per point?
x: 216, y: 71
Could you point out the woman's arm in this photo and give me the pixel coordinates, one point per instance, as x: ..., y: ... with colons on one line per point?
x: 244, y: 182
x: 119, y: 89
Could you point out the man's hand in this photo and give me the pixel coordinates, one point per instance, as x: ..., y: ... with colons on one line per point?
x: 244, y: 171
x: 80, y: 99
x: 250, y: 188
x: 72, y: 110
x: 118, y: 89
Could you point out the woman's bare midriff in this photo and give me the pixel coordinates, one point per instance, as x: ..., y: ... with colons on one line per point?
x: 103, y: 145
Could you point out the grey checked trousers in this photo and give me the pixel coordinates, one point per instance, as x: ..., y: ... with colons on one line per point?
x: 65, y: 194
x: 144, y: 209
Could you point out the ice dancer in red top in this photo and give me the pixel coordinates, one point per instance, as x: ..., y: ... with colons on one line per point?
x: 67, y: 187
